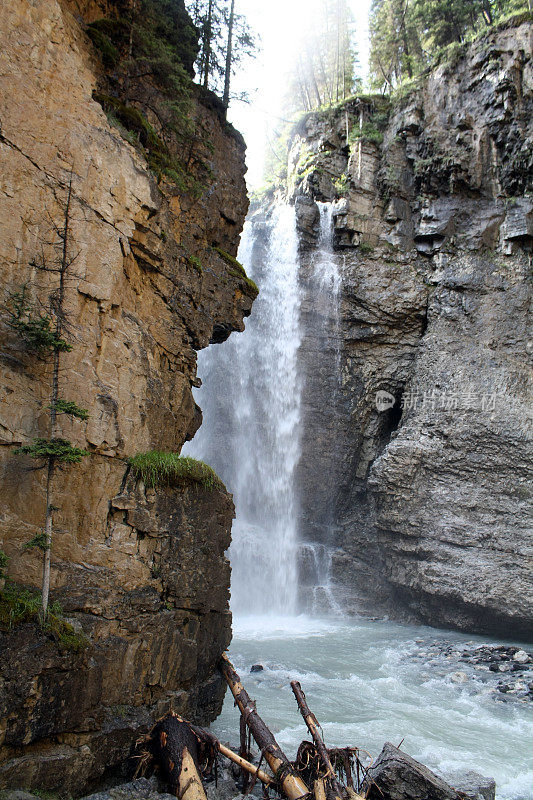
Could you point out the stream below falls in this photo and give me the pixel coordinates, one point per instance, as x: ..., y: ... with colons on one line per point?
x: 369, y: 682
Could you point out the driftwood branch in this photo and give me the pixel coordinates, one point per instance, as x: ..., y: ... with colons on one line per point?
x: 312, y: 726
x: 287, y: 778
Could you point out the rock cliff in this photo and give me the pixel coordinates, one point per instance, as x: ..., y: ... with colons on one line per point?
x: 141, y: 571
x: 427, y: 507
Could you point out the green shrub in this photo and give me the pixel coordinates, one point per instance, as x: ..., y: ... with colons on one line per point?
x: 3, y: 563
x: 40, y: 541
x: 158, y: 468
x: 109, y: 53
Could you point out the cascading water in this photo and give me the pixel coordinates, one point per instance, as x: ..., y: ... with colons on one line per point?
x: 250, y: 434
x: 324, y: 291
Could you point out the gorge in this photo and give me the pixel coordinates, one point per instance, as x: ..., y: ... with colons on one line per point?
x: 394, y: 266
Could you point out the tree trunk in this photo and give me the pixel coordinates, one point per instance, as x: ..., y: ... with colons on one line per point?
x: 59, y: 312
x: 210, y: 739
x: 320, y: 789
x: 229, y: 56
x: 291, y: 784
x: 207, y: 44
x: 48, y: 527
x: 312, y: 727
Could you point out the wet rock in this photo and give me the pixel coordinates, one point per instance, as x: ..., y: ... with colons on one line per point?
x: 522, y: 657
x: 471, y: 785
x: 397, y: 776
x: 256, y: 668
x: 140, y: 789
x: 432, y: 239
x: 307, y: 219
x: 459, y: 677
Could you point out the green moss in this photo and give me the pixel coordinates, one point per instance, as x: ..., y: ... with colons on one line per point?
x: 19, y: 605
x: 59, y: 449
x: 108, y: 52
x: 342, y: 184
x: 365, y: 248
x: 404, y: 90
x: 368, y: 133
x: 195, y: 263
x: 158, y: 468
x: 236, y: 269
x: 3, y: 563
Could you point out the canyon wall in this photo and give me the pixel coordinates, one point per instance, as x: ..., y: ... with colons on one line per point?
x: 141, y: 571
x: 425, y: 500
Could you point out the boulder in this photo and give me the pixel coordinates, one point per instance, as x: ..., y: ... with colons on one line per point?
x: 140, y: 789
x: 397, y: 776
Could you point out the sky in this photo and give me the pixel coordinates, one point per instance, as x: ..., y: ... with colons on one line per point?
x: 280, y: 24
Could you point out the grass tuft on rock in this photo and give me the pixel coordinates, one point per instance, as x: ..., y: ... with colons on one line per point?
x: 19, y: 605
x: 158, y: 468
x: 236, y: 269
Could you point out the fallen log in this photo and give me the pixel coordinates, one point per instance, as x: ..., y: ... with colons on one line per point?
x: 312, y: 726
x: 284, y: 773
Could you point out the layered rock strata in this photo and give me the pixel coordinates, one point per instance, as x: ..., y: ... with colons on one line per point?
x: 141, y: 571
x: 428, y: 495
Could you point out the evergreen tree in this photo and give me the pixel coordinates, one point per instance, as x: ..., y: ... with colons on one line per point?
x: 324, y: 70
x: 42, y: 331
x: 406, y: 34
x: 396, y: 51
x: 225, y: 41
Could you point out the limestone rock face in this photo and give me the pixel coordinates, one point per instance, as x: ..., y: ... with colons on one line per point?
x: 427, y: 506
x: 142, y: 571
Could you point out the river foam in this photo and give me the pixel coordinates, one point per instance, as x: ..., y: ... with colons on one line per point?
x: 366, y: 688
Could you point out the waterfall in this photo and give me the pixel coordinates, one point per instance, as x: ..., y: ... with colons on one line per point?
x: 251, y: 402
x: 324, y: 293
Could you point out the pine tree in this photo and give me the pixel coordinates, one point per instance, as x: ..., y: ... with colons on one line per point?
x: 225, y: 40
x: 43, y: 331
x: 324, y: 71
x: 406, y: 34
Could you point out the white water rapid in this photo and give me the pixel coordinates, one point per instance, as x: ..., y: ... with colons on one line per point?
x: 368, y: 681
